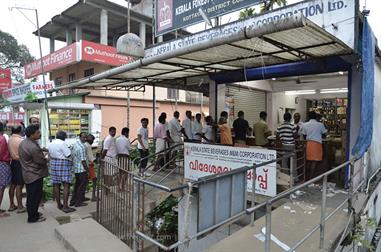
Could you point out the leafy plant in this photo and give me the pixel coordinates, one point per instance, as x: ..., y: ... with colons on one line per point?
x: 267, y: 5
x: 30, y: 96
x: 13, y: 55
x: 163, y: 221
x: 358, y: 234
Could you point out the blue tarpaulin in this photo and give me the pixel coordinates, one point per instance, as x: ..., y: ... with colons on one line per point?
x: 364, y: 138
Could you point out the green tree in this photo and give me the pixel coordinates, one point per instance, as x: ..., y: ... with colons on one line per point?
x: 269, y: 5
x: 13, y: 55
x: 266, y: 6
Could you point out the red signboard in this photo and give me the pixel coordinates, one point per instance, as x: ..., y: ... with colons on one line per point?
x: 103, y: 54
x: 60, y: 58
x: 12, y: 118
x: 5, y: 79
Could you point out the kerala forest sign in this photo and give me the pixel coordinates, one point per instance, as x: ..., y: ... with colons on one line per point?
x: 175, y: 14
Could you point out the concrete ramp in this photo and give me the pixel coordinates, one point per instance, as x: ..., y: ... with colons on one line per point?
x: 290, y: 223
x: 89, y: 236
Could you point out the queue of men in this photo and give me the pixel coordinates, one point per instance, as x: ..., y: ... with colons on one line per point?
x: 22, y: 161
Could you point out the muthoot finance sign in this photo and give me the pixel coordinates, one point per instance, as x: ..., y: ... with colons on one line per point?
x: 203, y: 159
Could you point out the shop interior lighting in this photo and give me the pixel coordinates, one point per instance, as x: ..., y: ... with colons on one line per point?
x: 300, y: 92
x: 341, y: 73
x: 334, y: 90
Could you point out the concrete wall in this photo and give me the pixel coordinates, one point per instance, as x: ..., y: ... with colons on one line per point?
x: 114, y: 113
x: 355, y: 109
x: 279, y: 101
x: 78, y: 69
x: 375, y: 149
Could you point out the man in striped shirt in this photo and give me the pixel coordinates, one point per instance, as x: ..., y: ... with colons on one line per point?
x: 287, y: 133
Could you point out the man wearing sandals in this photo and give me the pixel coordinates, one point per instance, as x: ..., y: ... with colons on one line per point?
x: 61, y: 170
x: 17, y: 179
x: 35, y: 169
x: 5, y: 170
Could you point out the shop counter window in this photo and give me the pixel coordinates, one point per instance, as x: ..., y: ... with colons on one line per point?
x: 72, y: 121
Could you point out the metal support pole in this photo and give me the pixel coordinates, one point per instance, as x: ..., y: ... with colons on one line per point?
x: 43, y: 77
x: 350, y: 189
x: 135, y: 207
x: 292, y: 171
x: 268, y: 227
x: 253, y: 176
x: 128, y: 108
x: 323, y: 210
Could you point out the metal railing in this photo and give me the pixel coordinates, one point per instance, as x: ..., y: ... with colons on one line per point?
x: 267, y: 204
x: 323, y: 216
x: 136, y: 192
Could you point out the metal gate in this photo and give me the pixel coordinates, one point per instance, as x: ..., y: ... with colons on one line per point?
x: 115, y: 206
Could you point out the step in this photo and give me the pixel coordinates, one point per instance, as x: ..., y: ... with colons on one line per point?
x: 89, y: 236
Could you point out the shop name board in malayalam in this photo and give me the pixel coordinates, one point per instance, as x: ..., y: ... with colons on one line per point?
x: 321, y: 12
x: 201, y: 160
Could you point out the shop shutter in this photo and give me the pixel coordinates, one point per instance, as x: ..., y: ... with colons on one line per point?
x: 252, y: 102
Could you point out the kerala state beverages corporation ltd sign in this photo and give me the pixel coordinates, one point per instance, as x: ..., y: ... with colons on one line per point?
x: 201, y: 160
x: 176, y: 14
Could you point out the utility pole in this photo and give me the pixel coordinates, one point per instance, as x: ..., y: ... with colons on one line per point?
x: 41, y: 61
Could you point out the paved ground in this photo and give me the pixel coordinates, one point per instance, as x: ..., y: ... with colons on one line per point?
x: 16, y: 235
x: 290, y: 222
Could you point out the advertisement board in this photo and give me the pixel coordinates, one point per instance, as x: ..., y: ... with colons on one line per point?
x: 93, y: 52
x: 323, y: 13
x: 13, y: 118
x: 5, y: 79
x: 201, y: 160
x: 175, y: 14
x: 32, y: 90
x: 58, y: 59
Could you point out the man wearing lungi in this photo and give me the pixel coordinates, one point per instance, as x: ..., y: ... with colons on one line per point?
x: 313, y: 131
x: 61, y: 170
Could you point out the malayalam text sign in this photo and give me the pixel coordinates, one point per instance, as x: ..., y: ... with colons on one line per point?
x: 201, y: 160
x: 176, y: 14
x: 103, y: 54
x: 58, y: 59
x: 5, y: 79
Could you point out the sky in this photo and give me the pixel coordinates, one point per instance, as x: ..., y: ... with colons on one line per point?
x: 16, y: 24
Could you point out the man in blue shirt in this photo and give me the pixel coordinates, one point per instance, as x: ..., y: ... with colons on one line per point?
x: 80, y: 168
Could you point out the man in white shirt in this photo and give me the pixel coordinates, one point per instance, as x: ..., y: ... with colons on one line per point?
x: 109, y: 154
x: 175, y: 128
x: 313, y: 132
x: 175, y: 131
x: 143, y: 143
x: 61, y: 170
x: 208, y: 131
x: 123, y: 147
x: 187, y: 125
x: 197, y: 128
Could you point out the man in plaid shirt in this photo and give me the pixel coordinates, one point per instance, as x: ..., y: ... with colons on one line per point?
x: 80, y: 169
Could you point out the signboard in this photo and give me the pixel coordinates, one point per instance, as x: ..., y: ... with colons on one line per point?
x: 21, y: 93
x: 14, y: 118
x: 204, y: 159
x: 5, y: 79
x: 176, y: 14
x: 58, y: 59
x: 103, y: 54
x: 324, y: 13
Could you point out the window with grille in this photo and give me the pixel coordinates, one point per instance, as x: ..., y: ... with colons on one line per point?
x: 71, y: 77
x: 88, y: 72
x: 172, y: 93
